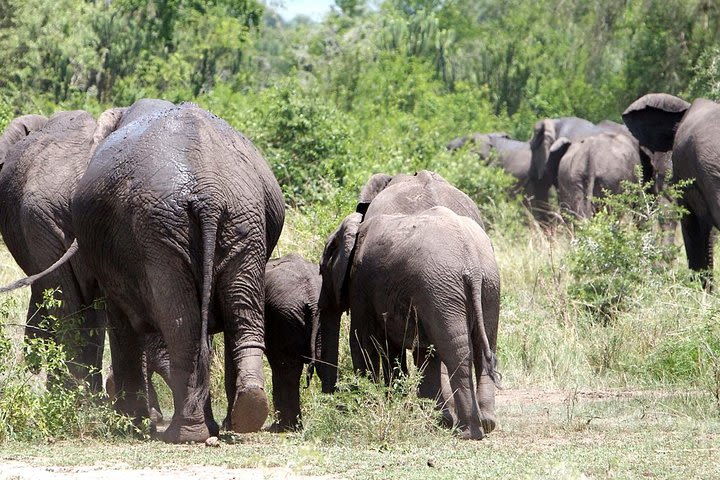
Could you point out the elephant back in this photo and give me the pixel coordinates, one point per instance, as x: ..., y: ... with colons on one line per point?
x: 413, y: 194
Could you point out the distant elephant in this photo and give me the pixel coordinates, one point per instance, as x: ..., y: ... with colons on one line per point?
x: 592, y: 167
x: 512, y: 155
x: 176, y: 215
x: 292, y: 288
x: 41, y: 162
x: 544, y: 165
x: 662, y: 122
x: 416, y: 280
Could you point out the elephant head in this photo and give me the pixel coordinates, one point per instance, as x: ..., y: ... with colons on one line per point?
x: 335, y: 270
x: 18, y: 129
x: 557, y: 151
x: 654, y: 118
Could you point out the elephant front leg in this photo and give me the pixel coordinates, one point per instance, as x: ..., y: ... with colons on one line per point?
x: 698, y: 237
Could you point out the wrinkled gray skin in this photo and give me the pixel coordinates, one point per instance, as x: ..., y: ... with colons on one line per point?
x: 41, y: 163
x: 292, y: 288
x: 417, y: 280
x: 176, y: 215
x: 385, y: 194
x: 664, y: 123
x: 544, y: 165
x: 592, y: 167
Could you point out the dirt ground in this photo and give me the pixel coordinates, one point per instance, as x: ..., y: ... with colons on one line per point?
x: 21, y: 471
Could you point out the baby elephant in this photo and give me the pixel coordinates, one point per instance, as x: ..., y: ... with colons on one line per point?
x: 292, y: 288
x: 418, y: 280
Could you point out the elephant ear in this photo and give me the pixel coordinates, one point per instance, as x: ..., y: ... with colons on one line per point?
x: 654, y: 118
x: 18, y: 129
x: 377, y: 183
x: 108, y: 122
x: 337, y: 257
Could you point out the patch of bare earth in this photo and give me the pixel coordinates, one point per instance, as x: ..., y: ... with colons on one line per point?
x: 21, y: 471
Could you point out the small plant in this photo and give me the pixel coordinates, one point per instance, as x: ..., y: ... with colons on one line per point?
x: 621, y: 247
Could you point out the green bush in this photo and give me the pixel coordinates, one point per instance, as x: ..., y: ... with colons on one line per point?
x: 621, y: 247
x: 62, y: 407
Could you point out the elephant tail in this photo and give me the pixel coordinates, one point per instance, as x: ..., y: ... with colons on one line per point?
x: 208, y: 231
x: 72, y: 250
x: 473, y: 295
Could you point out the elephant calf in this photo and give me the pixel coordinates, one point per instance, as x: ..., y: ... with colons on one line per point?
x: 417, y: 280
x: 292, y: 288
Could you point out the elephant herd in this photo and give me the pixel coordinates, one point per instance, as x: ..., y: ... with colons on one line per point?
x: 170, y: 215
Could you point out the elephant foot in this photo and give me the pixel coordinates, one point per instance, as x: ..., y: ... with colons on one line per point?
x: 471, y: 433
x: 250, y: 410
x: 447, y: 420
x: 489, y: 422
x: 277, y: 427
x: 198, y: 432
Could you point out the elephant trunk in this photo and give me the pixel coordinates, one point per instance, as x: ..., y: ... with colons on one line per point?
x: 327, y: 344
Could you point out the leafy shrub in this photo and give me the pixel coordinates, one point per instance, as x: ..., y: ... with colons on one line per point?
x: 620, y: 248
x: 62, y: 407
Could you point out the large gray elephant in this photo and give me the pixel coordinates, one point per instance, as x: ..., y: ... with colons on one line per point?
x: 382, y: 194
x: 176, y: 215
x: 664, y: 123
x: 292, y: 289
x: 41, y: 163
x: 416, y: 280
x: 593, y: 167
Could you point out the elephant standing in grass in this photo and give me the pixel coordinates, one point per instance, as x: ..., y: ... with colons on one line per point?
x: 416, y: 280
x: 176, y: 215
x: 387, y: 195
x: 292, y: 288
x: 41, y: 162
x: 662, y: 123
x: 593, y: 167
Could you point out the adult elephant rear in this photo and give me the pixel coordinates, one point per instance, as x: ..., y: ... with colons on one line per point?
x: 41, y: 163
x: 592, y: 167
x: 383, y: 194
x: 544, y: 165
x: 177, y: 214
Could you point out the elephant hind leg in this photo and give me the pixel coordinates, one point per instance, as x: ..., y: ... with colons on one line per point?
x: 699, y: 238
x: 286, y: 376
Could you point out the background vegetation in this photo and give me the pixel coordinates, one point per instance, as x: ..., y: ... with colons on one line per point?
x: 603, y: 311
